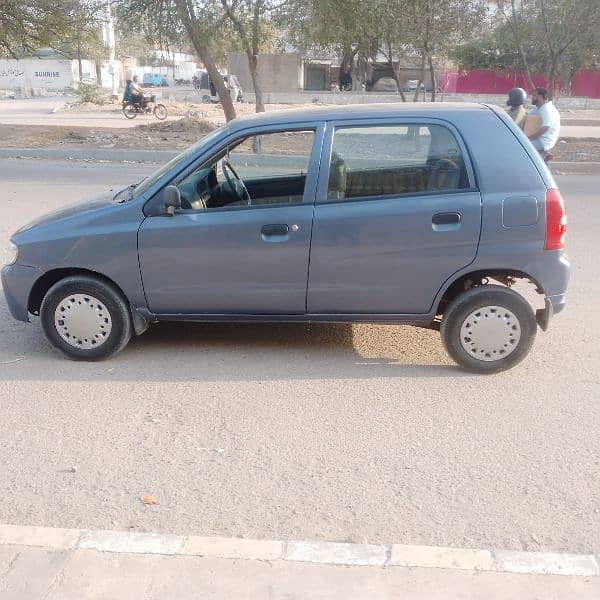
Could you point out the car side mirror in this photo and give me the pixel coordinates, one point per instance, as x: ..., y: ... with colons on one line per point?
x: 171, y: 199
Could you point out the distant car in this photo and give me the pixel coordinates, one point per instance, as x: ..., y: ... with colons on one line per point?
x: 416, y: 214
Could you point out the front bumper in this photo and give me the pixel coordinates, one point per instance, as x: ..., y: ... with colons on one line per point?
x: 17, y: 281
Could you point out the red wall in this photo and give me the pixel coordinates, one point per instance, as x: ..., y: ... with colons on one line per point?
x: 585, y: 83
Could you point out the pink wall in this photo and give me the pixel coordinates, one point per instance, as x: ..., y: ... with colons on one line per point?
x: 585, y: 83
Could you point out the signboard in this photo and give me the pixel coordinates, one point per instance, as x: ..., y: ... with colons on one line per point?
x: 50, y: 74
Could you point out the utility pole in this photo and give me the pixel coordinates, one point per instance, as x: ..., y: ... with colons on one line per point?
x: 108, y: 37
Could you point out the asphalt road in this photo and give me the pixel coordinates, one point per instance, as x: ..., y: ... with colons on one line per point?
x: 342, y: 433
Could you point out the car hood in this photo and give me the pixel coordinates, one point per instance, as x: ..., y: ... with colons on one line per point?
x: 79, y: 208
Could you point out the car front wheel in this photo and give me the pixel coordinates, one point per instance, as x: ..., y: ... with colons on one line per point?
x: 86, y: 318
x: 488, y: 329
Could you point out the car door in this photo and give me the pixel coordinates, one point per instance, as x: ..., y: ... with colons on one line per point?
x: 397, y: 213
x: 224, y: 254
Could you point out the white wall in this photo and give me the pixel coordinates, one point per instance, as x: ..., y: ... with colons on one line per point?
x: 31, y: 73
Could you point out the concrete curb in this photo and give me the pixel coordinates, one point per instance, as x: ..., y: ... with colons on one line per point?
x: 331, y: 553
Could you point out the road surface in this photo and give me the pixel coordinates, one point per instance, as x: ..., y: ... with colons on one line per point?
x: 327, y: 432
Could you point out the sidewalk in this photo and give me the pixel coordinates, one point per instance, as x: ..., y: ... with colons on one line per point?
x: 59, y: 564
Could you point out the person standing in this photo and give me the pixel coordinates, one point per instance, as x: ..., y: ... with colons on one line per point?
x: 516, y: 100
x: 544, y: 138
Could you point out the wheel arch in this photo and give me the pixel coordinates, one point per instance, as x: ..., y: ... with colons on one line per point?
x: 464, y: 281
x: 49, y: 278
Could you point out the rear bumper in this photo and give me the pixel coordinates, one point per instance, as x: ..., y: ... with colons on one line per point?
x: 552, y: 271
x: 17, y: 281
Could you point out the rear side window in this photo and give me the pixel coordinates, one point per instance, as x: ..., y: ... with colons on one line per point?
x: 394, y: 160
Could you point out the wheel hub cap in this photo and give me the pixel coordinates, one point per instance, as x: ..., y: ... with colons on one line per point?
x: 82, y: 321
x: 490, y: 333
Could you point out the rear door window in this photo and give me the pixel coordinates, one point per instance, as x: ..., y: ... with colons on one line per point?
x: 394, y: 160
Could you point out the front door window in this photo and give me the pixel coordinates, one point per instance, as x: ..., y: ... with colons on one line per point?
x: 259, y: 170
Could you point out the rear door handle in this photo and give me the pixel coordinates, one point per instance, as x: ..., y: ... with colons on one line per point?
x: 446, y: 218
x: 275, y: 229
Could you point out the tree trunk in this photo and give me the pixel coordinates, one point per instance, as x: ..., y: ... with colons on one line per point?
x: 79, y: 63
x: 217, y: 79
x: 253, y: 67
x: 98, y: 64
x: 188, y: 18
x: 433, y: 79
x: 514, y: 25
x: 347, y: 66
x: 421, y: 78
x: 395, y: 73
x: 397, y: 80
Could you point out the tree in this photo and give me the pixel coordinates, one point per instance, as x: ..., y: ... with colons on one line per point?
x: 249, y: 19
x: 30, y: 24
x: 553, y: 37
x: 168, y: 22
x: 339, y: 26
x: 514, y: 17
x: 437, y: 26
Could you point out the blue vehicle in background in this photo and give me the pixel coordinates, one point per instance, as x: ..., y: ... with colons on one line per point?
x: 153, y: 80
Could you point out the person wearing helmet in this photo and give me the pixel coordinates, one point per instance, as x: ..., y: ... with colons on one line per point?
x: 517, y: 112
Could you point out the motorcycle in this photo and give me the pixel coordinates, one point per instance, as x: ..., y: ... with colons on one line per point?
x: 132, y: 109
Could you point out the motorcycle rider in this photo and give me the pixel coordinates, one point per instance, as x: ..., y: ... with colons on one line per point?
x: 516, y: 100
x: 137, y: 93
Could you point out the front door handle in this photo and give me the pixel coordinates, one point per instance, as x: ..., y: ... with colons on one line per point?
x: 275, y: 229
x: 446, y: 218
x: 446, y: 221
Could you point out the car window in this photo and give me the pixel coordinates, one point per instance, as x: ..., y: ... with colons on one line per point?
x: 258, y: 170
x: 394, y: 160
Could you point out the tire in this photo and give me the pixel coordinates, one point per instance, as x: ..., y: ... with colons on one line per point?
x: 160, y: 112
x: 488, y: 329
x: 101, y: 314
x: 129, y: 111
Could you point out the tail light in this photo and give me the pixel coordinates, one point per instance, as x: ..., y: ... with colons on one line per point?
x: 556, y: 221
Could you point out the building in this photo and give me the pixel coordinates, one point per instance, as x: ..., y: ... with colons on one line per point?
x: 293, y: 72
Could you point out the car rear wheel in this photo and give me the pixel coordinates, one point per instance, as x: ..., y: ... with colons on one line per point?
x: 488, y: 329
x: 86, y: 318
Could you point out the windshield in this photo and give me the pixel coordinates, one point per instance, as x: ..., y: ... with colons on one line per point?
x: 148, y: 182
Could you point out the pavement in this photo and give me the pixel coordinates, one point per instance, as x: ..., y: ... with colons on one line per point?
x: 61, y: 564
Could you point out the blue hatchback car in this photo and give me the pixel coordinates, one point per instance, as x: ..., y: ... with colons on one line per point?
x: 424, y: 214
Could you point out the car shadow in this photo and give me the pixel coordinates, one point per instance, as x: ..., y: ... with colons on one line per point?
x: 233, y: 352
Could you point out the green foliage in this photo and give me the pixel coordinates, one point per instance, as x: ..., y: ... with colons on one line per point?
x: 60, y: 24
x: 90, y: 93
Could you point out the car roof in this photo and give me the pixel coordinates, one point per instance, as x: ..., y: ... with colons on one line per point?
x: 356, y: 111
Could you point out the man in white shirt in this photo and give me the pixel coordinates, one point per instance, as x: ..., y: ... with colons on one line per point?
x: 546, y: 136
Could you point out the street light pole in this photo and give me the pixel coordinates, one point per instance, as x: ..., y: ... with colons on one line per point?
x: 108, y: 35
